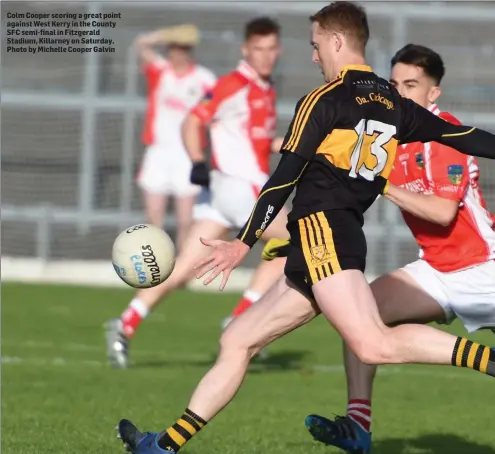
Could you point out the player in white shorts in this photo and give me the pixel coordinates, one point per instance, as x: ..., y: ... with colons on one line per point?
x: 240, y: 112
x: 455, y: 275
x: 175, y: 85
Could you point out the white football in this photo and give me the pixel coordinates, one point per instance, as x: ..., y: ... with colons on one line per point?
x: 143, y: 256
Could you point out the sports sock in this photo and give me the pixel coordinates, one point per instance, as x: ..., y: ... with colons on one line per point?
x: 135, y: 313
x: 359, y: 410
x: 473, y: 355
x: 181, y: 432
x: 248, y: 299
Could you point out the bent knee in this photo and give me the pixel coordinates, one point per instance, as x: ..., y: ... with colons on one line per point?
x: 235, y: 343
x: 374, y: 351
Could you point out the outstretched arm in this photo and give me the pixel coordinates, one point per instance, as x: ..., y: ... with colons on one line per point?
x: 420, y: 125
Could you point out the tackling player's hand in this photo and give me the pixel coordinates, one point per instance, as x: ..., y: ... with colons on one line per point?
x: 200, y: 174
x: 226, y: 256
x: 275, y: 248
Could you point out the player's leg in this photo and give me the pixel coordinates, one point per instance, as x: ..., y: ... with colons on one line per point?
x: 281, y: 310
x: 155, y: 206
x: 334, y: 247
x: 120, y: 331
x: 185, y: 194
x: 359, y: 323
x: 400, y: 299
x: 155, y: 183
x: 183, y: 215
x: 346, y: 300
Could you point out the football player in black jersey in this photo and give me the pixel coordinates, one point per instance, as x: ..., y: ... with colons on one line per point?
x: 337, y: 153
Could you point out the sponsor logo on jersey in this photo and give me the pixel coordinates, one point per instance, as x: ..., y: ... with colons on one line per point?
x: 417, y: 185
x: 269, y: 211
x: 455, y: 173
x: 420, y: 160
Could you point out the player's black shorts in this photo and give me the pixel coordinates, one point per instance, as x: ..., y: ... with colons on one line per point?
x: 323, y: 244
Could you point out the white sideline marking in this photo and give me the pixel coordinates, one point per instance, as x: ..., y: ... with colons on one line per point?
x: 96, y: 273
x: 74, y: 347
x: 321, y: 368
x: 100, y: 273
x: 15, y: 360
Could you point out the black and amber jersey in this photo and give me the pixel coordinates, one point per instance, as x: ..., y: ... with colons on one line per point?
x: 341, y: 145
x: 348, y: 130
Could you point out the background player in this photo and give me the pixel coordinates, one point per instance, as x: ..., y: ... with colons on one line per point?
x: 326, y: 261
x: 241, y: 112
x: 175, y: 85
x: 446, y: 212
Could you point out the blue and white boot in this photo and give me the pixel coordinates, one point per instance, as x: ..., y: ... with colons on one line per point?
x: 342, y: 432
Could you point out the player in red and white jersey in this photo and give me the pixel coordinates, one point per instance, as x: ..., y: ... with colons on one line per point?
x: 438, y: 192
x: 432, y: 168
x: 241, y: 110
x: 240, y: 113
x: 175, y: 85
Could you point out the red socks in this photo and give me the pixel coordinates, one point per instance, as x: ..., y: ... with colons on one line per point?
x: 248, y: 299
x: 132, y: 317
x: 359, y: 410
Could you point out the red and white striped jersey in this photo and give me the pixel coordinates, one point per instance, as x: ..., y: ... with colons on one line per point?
x: 170, y: 97
x: 432, y: 168
x: 242, y: 116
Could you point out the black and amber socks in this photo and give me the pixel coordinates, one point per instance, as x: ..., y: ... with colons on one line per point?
x: 181, y: 432
x: 475, y: 356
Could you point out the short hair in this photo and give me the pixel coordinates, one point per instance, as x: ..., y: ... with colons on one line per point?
x: 261, y: 26
x: 345, y: 17
x: 424, y: 57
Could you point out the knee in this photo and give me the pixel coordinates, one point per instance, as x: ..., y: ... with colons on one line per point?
x: 374, y: 350
x: 234, y: 344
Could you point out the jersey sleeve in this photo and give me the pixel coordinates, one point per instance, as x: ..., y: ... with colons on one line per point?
x: 272, y: 197
x: 447, y: 172
x: 153, y: 69
x: 222, y: 90
x: 313, y: 120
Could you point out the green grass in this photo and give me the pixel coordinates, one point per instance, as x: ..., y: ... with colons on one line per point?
x: 59, y: 396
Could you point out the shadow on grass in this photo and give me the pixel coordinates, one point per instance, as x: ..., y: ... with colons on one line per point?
x: 286, y: 360
x: 424, y: 444
x: 431, y: 444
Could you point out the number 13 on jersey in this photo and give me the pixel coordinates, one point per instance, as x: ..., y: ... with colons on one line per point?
x: 375, y: 146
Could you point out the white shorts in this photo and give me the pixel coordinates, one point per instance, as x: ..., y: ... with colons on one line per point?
x: 468, y: 294
x: 166, y: 171
x: 229, y: 201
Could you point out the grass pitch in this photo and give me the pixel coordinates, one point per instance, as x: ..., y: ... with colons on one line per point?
x: 59, y: 396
